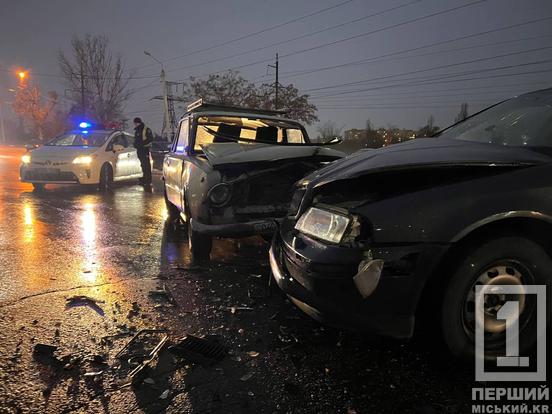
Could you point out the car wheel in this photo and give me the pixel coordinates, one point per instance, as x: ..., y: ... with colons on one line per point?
x: 38, y: 187
x: 502, y: 261
x: 106, y: 177
x: 172, y: 210
x: 200, y: 244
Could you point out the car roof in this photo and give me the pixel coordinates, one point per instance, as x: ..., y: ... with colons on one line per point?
x: 100, y: 131
x: 244, y: 114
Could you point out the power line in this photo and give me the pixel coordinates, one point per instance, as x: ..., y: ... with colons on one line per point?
x: 449, y: 65
x: 382, y: 57
x: 267, y: 29
x: 425, y: 82
x: 382, y: 29
x: 296, y: 38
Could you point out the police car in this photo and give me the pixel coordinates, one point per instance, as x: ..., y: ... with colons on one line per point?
x: 82, y: 156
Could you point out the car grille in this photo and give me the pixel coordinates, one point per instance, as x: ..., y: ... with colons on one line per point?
x: 54, y: 175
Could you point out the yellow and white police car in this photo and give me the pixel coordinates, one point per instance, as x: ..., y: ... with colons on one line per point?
x: 82, y: 156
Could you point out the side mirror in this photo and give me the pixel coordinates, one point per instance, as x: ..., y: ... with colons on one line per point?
x: 118, y: 147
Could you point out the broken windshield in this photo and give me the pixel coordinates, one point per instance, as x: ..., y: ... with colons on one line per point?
x: 220, y: 129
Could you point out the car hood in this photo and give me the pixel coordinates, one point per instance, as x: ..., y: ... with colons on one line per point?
x: 59, y: 153
x: 235, y: 153
x: 424, y: 152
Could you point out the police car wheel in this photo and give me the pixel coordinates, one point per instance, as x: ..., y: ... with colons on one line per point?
x: 106, y: 177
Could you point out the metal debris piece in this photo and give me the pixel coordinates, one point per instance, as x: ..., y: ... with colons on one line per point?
x: 142, y: 334
x: 246, y: 377
x: 164, y: 394
x: 253, y: 354
x: 233, y: 309
x: 198, y: 350
x: 139, y: 373
x: 164, y: 292
x: 93, y: 374
x: 80, y: 300
x: 44, y: 349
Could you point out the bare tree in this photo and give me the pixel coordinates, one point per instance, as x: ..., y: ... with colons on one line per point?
x: 328, y: 130
x: 96, y: 78
x: 463, y: 114
x: 36, y: 110
x: 231, y: 88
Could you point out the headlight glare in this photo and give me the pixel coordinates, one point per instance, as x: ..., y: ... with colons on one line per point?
x: 323, y: 224
x: 219, y: 194
x: 26, y: 159
x: 83, y: 160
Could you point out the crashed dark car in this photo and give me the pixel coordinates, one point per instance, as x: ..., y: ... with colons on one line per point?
x: 231, y: 170
x: 387, y: 237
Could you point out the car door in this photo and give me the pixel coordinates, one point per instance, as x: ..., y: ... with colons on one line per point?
x: 174, y: 163
x: 134, y: 162
x: 121, y: 151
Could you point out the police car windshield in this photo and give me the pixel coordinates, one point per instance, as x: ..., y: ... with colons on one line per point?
x: 79, y: 139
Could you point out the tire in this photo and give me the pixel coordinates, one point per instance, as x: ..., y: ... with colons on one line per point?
x: 38, y: 187
x: 504, y: 260
x: 106, y: 178
x: 172, y: 210
x: 200, y: 244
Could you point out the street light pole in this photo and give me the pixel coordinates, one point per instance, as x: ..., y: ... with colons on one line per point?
x: 2, y: 129
x: 165, y: 86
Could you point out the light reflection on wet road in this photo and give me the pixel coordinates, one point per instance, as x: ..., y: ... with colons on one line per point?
x: 69, y: 236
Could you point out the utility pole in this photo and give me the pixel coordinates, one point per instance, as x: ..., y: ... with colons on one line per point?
x: 277, y: 83
x: 166, y: 115
x: 165, y: 91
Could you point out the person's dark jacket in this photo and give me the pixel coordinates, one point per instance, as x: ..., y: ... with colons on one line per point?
x: 143, y: 137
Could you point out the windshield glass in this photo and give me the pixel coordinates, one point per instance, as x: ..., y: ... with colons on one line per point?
x: 217, y: 129
x: 80, y: 139
x: 525, y: 121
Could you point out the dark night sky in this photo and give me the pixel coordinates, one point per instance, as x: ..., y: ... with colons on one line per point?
x: 32, y: 31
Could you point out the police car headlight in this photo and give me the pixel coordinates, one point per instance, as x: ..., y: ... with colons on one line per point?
x: 83, y: 160
x: 220, y: 194
x: 323, y: 224
x: 26, y: 159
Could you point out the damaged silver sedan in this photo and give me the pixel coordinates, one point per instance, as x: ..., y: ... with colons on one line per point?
x: 231, y: 170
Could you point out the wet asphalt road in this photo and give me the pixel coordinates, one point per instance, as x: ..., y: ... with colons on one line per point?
x: 116, y: 248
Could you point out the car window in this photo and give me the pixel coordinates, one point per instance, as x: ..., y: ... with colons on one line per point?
x: 524, y: 121
x: 220, y: 129
x: 182, y: 141
x: 79, y: 139
x: 120, y: 139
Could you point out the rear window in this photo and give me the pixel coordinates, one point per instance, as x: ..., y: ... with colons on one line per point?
x: 220, y: 129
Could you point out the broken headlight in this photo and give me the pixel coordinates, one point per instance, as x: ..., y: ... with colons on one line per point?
x: 323, y: 224
x: 220, y: 194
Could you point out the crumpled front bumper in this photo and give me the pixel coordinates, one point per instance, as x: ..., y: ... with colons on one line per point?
x: 71, y: 174
x: 251, y: 228
x: 318, y: 278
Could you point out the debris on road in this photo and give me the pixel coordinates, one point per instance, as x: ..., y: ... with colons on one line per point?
x: 164, y: 293
x: 44, y: 350
x: 202, y: 351
x: 81, y: 300
x: 164, y: 394
x: 233, y: 309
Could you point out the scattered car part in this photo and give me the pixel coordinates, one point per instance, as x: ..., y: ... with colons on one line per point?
x: 198, y: 350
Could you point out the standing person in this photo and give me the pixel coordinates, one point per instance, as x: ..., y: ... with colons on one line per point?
x: 143, y: 138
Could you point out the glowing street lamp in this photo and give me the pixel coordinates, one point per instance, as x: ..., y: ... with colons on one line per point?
x: 22, y: 75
